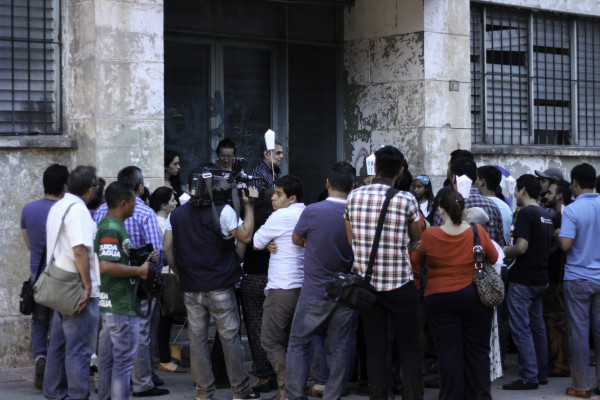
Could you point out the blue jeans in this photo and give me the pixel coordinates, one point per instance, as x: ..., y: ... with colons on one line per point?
x: 118, y: 350
x: 309, y: 316
x: 222, y: 306
x: 582, y: 300
x: 317, y: 355
x: 526, y: 318
x: 141, y: 375
x: 40, y: 325
x: 72, y: 338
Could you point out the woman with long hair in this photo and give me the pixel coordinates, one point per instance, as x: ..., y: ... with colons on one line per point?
x: 162, y: 201
x: 172, y: 178
x: 459, y: 322
x: 421, y: 188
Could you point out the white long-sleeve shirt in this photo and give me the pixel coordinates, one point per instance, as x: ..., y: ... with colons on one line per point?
x: 286, y: 267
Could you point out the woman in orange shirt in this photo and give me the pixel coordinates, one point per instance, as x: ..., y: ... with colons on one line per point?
x: 459, y: 322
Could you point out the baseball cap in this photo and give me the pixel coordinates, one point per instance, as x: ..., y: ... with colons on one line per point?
x: 554, y: 174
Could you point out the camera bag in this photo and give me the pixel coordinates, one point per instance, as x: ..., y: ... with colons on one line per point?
x: 353, y: 290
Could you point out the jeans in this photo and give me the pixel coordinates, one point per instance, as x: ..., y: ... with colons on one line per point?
x: 309, y: 317
x: 401, y: 306
x: 222, y: 306
x: 118, y: 349
x: 72, y: 338
x: 278, y: 313
x: 582, y: 300
x: 526, y: 318
x: 461, y: 326
x: 141, y: 375
x: 317, y: 354
x: 40, y: 325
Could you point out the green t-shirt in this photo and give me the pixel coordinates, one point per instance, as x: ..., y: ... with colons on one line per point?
x: 112, y: 243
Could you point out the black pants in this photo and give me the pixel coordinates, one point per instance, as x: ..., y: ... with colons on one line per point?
x: 401, y: 307
x: 253, y: 297
x: 461, y: 326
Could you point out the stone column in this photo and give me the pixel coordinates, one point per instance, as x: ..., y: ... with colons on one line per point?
x: 399, y: 59
x: 113, y: 76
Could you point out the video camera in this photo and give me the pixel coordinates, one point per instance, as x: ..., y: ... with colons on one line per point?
x: 222, y: 185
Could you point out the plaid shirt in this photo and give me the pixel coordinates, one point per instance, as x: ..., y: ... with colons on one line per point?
x: 493, y: 227
x: 142, y: 227
x: 392, y: 267
x: 264, y: 171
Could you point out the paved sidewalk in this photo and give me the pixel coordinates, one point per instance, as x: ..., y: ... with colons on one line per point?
x: 17, y: 384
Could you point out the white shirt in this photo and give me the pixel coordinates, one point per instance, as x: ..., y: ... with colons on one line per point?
x: 423, y: 206
x: 79, y: 229
x: 286, y: 267
x: 228, y: 219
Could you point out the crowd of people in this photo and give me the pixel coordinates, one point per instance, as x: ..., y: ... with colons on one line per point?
x: 268, y: 265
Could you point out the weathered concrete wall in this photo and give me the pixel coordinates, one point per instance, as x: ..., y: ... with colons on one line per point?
x: 383, y: 78
x: 400, y: 58
x: 583, y: 7
x: 113, y: 79
x: 21, y: 184
x: 112, y: 91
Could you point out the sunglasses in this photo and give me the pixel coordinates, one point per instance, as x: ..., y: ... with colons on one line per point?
x: 423, y: 178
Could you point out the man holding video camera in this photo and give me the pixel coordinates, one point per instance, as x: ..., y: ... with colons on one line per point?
x: 204, y: 257
x: 142, y: 227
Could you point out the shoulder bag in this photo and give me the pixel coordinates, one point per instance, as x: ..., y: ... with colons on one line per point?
x: 488, y: 283
x: 171, y: 300
x: 26, y: 300
x: 56, y: 288
x: 353, y: 290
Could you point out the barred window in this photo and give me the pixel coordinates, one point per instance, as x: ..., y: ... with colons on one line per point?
x: 523, y: 80
x: 29, y: 67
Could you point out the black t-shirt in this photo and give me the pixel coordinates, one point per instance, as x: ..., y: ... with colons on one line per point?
x: 533, y: 224
x: 556, y: 261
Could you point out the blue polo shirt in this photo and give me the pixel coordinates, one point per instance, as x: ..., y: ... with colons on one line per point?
x: 581, y: 222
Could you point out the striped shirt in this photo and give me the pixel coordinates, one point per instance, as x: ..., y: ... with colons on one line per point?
x: 142, y: 227
x: 263, y: 170
x: 392, y: 267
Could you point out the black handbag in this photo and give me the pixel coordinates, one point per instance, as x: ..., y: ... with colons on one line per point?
x: 26, y: 300
x: 171, y: 299
x: 490, y: 287
x: 353, y: 290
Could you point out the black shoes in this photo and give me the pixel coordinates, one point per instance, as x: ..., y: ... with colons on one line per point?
x: 561, y: 374
x: 156, y: 380
x: 250, y: 396
x: 155, y: 391
x: 40, y: 367
x: 520, y: 385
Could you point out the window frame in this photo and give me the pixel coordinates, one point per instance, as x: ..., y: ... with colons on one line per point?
x: 481, y: 136
x: 50, y: 97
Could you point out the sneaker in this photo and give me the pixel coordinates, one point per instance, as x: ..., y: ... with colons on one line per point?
x: 250, y: 396
x: 520, y: 384
x: 40, y: 367
x: 315, y: 390
x: 151, y: 392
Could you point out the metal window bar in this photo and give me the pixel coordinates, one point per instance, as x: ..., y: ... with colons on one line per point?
x: 588, y: 84
x: 29, y: 77
x: 551, y: 80
x: 506, y: 76
x: 540, y: 78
